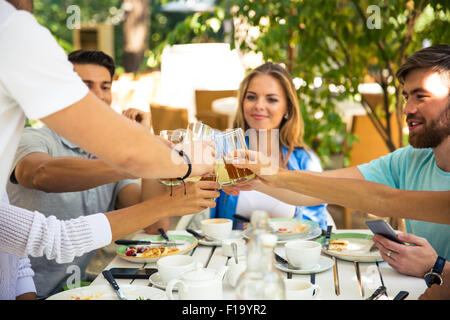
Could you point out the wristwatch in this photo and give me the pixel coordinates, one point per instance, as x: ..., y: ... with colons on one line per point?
x: 434, y: 275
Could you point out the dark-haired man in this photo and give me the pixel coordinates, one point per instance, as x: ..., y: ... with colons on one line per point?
x: 422, y: 166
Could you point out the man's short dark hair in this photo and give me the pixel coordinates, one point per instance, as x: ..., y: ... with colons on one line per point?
x: 93, y: 57
x: 436, y: 58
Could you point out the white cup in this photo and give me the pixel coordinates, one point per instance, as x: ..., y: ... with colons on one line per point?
x: 297, y: 289
x: 217, y: 228
x: 200, y: 284
x: 172, y: 267
x: 235, y: 271
x: 227, y: 247
x: 303, y: 254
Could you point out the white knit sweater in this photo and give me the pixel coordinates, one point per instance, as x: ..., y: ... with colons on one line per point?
x: 24, y: 232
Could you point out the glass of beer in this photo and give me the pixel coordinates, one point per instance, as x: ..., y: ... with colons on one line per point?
x: 226, y: 143
x: 175, y: 136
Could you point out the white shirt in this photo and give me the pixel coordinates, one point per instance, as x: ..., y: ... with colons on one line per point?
x: 250, y: 201
x: 16, y: 275
x: 36, y: 80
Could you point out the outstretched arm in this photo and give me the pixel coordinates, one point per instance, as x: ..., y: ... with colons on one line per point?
x: 126, y: 145
x: 369, y: 196
x: 346, y: 187
x: 43, y: 172
x: 23, y: 232
x: 290, y: 196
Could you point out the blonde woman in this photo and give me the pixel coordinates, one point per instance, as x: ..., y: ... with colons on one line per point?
x: 269, y: 114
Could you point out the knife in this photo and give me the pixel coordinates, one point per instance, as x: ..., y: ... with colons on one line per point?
x: 163, y: 234
x: 336, y: 277
x: 279, y: 259
x: 381, y: 278
x: 108, y: 276
x: 401, y: 295
x: 143, y: 242
x: 377, y: 293
x: 358, y: 276
x: 195, y: 234
x: 327, y: 237
x: 284, y: 263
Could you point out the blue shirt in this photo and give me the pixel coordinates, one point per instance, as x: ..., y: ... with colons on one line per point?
x: 414, y: 169
x: 300, y: 159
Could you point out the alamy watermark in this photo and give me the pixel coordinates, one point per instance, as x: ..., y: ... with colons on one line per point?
x: 374, y: 18
x: 74, y: 20
x: 74, y: 280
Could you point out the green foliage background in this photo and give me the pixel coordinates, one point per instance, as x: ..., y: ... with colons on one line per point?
x: 329, y: 39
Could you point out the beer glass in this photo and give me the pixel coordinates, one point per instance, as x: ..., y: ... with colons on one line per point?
x: 226, y: 143
x: 175, y: 136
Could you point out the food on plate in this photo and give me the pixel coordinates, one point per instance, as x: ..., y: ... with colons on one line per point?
x: 150, y: 252
x: 301, y: 227
x: 338, y: 244
x: 90, y: 297
x: 298, y: 228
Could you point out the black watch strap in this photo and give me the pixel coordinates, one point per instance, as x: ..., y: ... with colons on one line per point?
x: 188, y: 162
x: 439, y: 265
x: 434, y: 276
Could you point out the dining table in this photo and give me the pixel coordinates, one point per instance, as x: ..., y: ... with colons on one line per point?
x: 352, y: 286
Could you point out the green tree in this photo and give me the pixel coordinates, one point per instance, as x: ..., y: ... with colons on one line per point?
x: 337, y: 44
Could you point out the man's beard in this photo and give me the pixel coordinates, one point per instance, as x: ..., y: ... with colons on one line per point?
x: 433, y: 133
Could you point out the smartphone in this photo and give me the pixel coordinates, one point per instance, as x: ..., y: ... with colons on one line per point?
x: 382, y: 227
x: 132, y: 273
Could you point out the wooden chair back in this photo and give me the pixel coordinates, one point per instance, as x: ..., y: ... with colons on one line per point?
x: 168, y: 118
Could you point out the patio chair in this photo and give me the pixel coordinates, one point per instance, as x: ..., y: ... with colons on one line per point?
x: 203, y: 106
x: 168, y: 118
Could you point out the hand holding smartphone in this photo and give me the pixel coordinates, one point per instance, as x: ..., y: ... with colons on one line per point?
x: 383, y: 228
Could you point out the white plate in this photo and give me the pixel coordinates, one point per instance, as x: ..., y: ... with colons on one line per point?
x: 357, y: 250
x: 155, y: 279
x: 289, y: 228
x: 106, y: 292
x: 190, y: 243
x: 325, y: 263
x: 307, y: 236
x: 235, y: 234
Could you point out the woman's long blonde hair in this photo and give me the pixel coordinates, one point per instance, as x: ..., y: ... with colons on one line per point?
x: 292, y: 128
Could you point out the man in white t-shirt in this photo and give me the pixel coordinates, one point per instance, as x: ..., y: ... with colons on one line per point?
x: 37, y: 81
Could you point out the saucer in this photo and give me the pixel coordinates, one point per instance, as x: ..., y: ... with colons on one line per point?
x: 325, y: 263
x: 313, y: 234
x: 235, y: 234
x: 155, y: 280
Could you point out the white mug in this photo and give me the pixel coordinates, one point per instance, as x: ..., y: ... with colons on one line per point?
x: 200, y: 284
x: 172, y: 267
x: 217, y: 228
x: 303, y: 254
x: 227, y: 247
x: 297, y: 289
